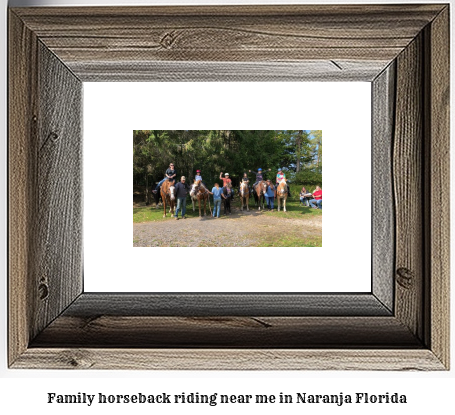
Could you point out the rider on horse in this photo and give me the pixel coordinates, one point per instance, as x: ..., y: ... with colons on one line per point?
x: 199, y: 177
x: 279, y: 177
x: 259, y: 176
x: 170, y: 175
x: 226, y: 181
x: 245, y: 180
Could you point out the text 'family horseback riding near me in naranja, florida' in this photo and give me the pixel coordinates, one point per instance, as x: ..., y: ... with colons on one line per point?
x: 227, y: 188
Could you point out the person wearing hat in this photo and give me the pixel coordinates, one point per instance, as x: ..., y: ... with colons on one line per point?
x: 279, y: 177
x: 259, y: 176
x: 170, y: 175
x: 199, y: 177
x: 182, y: 189
x: 225, y: 179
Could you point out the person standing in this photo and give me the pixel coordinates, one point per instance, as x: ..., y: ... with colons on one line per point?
x: 181, y: 192
x: 316, y: 202
x: 170, y: 175
x: 270, y: 195
x: 216, y: 191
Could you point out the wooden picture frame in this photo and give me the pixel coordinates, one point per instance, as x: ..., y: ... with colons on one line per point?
x: 403, y: 324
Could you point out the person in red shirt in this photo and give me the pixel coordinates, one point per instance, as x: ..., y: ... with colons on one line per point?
x: 316, y: 202
x: 225, y: 179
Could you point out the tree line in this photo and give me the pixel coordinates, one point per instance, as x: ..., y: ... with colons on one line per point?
x: 298, y: 152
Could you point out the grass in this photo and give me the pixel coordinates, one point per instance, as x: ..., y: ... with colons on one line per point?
x: 151, y: 214
x: 293, y: 210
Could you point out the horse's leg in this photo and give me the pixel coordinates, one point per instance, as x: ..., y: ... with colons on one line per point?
x: 164, y: 206
x: 247, y: 203
x: 199, y: 201
x: 284, y: 204
x: 192, y: 199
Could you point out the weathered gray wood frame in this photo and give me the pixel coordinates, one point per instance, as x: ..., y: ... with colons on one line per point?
x: 403, y: 50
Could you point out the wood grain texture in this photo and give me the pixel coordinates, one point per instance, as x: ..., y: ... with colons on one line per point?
x: 407, y: 174
x: 439, y: 187
x: 22, y: 95
x: 229, y: 359
x: 58, y: 190
x: 231, y: 304
x: 309, y: 71
x: 383, y: 215
x: 50, y: 48
x: 226, y: 332
x: 227, y: 34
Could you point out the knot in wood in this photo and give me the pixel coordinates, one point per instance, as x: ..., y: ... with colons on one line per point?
x: 405, y: 278
x: 43, y: 291
x: 77, y: 359
x: 53, y: 136
x: 168, y: 40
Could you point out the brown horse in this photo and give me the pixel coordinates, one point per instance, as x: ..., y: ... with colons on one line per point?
x: 282, y: 194
x: 200, y: 193
x: 244, y: 194
x: 260, y: 190
x: 168, y: 196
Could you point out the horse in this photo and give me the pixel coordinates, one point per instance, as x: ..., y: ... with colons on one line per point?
x: 282, y: 193
x: 244, y: 194
x: 259, y: 193
x: 168, y: 196
x: 149, y: 196
x: 199, y: 192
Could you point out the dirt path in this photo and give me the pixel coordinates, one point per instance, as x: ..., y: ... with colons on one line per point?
x: 238, y: 229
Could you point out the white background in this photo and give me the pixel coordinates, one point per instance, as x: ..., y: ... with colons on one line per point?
x: 342, y: 110
x: 25, y: 391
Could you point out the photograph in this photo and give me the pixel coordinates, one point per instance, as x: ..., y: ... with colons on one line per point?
x: 227, y: 188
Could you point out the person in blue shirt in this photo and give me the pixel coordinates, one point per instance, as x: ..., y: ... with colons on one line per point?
x: 170, y: 175
x: 270, y: 195
x: 216, y: 191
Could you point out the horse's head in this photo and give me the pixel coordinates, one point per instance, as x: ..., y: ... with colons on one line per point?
x: 261, y: 188
x: 171, y: 191
x: 194, y: 187
x: 244, y: 190
x: 282, y: 187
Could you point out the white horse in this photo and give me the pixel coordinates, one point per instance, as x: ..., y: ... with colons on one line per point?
x: 282, y: 193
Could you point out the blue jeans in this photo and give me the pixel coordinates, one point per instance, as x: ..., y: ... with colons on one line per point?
x: 304, y: 201
x: 181, y: 204
x: 270, y: 201
x: 160, y: 183
x: 216, y: 207
x: 316, y: 203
